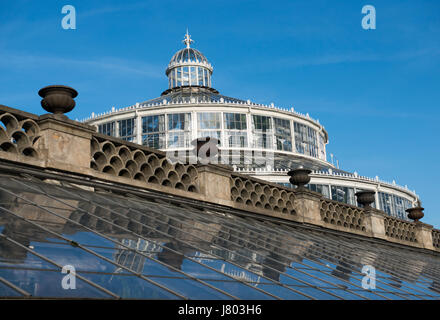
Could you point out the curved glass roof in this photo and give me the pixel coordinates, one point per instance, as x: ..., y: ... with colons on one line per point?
x: 188, y: 55
x: 123, y: 245
x: 191, y: 96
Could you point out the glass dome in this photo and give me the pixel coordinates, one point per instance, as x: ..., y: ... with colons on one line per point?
x: 188, y: 55
x: 189, y: 67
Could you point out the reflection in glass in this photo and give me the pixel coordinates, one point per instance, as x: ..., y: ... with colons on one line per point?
x: 127, y: 129
x: 179, y: 130
x: 107, y: 128
x: 235, y: 130
x: 394, y: 205
x: 40, y: 283
x: 208, y: 120
x: 344, y: 194
x: 262, y: 132
x: 153, y: 131
x: 305, y: 140
x: 8, y: 292
x: 207, y: 123
x: 232, y: 253
x: 282, y: 134
x: 322, y: 154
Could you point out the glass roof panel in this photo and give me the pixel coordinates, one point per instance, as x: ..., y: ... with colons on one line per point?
x: 6, y: 291
x: 42, y: 283
x: 129, y: 286
x: 148, y: 248
x: 183, y: 97
x: 241, y: 290
x: 287, y: 292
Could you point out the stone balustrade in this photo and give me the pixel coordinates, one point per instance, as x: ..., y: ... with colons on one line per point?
x: 18, y: 132
x: 108, y: 155
x: 261, y: 195
x: 400, y: 229
x: 342, y: 215
x: 436, y: 238
x: 69, y: 147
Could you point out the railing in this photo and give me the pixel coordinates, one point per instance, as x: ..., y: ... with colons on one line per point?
x: 70, y: 147
x: 400, y: 229
x: 18, y: 132
x: 262, y: 195
x: 436, y: 238
x: 164, y: 102
x: 363, y: 178
x: 294, y: 204
x: 342, y: 215
x: 114, y: 157
x: 331, y: 174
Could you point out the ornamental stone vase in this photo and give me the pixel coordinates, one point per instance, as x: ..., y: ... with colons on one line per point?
x: 415, y: 213
x: 366, y: 198
x: 58, y: 99
x: 299, y: 177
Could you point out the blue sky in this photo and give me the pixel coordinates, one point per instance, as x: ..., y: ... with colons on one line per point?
x: 375, y: 91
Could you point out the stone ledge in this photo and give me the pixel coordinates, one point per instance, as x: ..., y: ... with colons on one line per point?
x: 14, y: 157
x: 68, y: 126
x: 64, y: 121
x: 19, y: 113
x: 300, y: 217
x: 223, y: 170
x: 67, y: 146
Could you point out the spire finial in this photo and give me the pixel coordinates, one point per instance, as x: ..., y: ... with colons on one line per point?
x: 187, y: 40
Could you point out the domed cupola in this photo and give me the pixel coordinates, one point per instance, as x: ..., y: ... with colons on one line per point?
x: 189, y: 67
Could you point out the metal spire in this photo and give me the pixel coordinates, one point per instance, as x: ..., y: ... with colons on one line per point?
x: 187, y: 40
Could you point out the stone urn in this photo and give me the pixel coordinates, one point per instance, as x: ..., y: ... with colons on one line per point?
x: 299, y: 177
x: 415, y: 213
x: 58, y: 99
x: 205, y: 147
x: 366, y: 198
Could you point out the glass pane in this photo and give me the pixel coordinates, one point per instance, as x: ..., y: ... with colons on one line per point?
x: 6, y: 292
x: 49, y: 284
x: 191, y: 288
x: 193, y: 76
x: 201, y: 272
x: 305, y: 140
x: 154, y: 123
x: 188, y: 241
x: 236, y: 139
x: 80, y: 259
x: 127, y: 286
x: 208, y: 120
x: 127, y: 129
x: 185, y: 76
x: 240, y: 290
x: 282, y: 292
x: 107, y: 128
x: 282, y: 134
x: 179, y: 77
x: 235, y: 121
x: 200, y: 76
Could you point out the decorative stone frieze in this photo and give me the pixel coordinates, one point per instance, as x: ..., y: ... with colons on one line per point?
x: 400, y: 229
x: 436, y: 238
x: 120, y: 160
x: 18, y: 134
x: 342, y: 215
x: 261, y: 195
